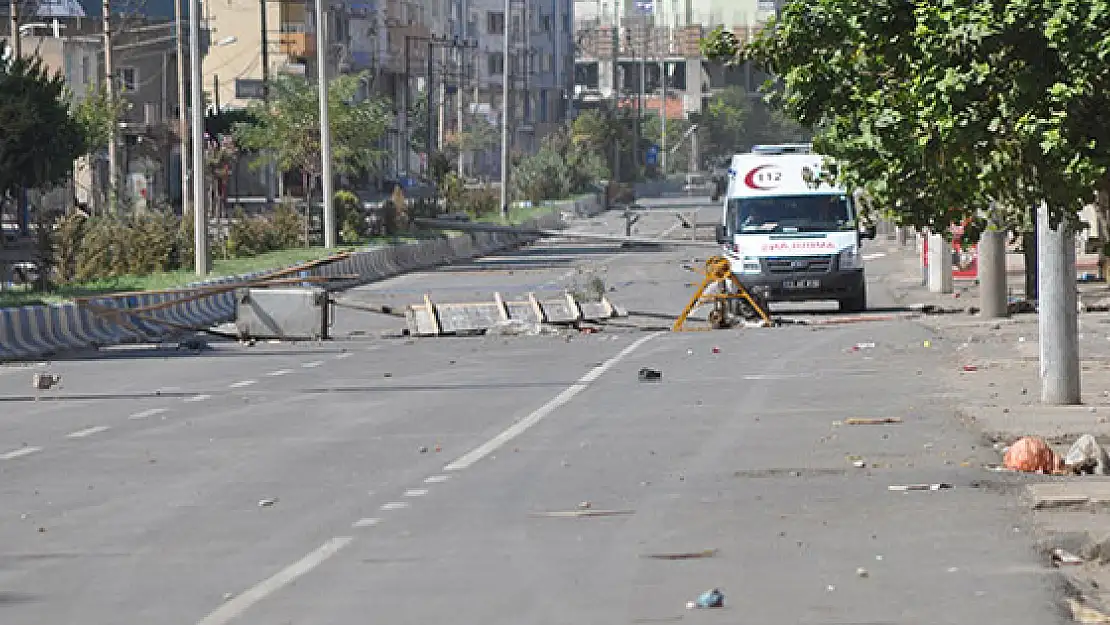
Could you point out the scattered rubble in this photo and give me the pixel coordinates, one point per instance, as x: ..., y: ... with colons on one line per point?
x: 1087, y: 457
x: 709, y: 599
x: 876, y: 421
x: 909, y: 487
x: 45, y: 381
x: 693, y: 555
x: 647, y: 374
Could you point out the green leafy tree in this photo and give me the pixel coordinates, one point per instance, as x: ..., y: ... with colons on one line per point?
x: 678, y: 148
x: 289, y: 128
x: 41, y: 137
x: 609, y: 136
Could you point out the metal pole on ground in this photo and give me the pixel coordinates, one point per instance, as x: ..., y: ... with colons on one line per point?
x: 992, y: 274
x: 1058, y: 317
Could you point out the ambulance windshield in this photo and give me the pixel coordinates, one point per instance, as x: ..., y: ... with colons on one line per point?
x: 799, y: 213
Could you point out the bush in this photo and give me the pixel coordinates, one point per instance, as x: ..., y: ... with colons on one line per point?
x: 349, y: 216
x: 288, y: 227
x: 479, y: 203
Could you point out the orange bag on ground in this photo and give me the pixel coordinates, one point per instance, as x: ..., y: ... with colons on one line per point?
x: 1032, y: 454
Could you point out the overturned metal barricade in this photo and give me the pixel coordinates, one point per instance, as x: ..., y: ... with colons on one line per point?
x: 432, y: 319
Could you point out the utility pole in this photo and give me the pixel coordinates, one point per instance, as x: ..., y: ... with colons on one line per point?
x: 460, y: 92
x: 182, y: 106
x: 505, y: 115
x: 330, y: 232
x: 110, y: 92
x: 430, y: 145
x: 17, y: 45
x: 616, y: 75
x: 1058, y: 317
x: 196, y: 86
x: 265, y: 29
x: 406, y: 103
x: 663, y: 117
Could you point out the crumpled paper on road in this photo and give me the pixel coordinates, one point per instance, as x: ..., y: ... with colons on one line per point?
x: 1087, y: 456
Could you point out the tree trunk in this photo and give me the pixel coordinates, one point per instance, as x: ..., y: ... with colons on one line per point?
x: 1029, y: 247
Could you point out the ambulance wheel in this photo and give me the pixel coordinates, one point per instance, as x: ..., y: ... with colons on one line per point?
x: 855, y: 304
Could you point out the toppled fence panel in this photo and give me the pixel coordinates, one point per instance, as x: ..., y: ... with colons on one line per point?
x: 432, y: 319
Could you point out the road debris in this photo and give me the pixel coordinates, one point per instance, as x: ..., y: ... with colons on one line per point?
x: 585, y: 505
x: 875, y: 421
x: 909, y: 487
x: 194, y: 344
x: 559, y: 514
x: 1031, y: 454
x: 531, y: 316
x: 1063, y: 557
x: 1085, y: 614
x: 45, y: 381
x: 862, y: 572
x: 1086, y: 456
x: 266, y: 503
x: 709, y: 599
x: 650, y: 375
x: 692, y: 555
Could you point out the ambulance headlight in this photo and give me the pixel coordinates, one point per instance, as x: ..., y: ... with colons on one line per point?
x: 750, y: 265
x: 850, y: 258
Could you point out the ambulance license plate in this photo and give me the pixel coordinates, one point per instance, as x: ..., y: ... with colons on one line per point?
x: 801, y: 284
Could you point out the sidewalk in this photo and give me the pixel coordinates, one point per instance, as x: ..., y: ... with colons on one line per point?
x: 994, y: 375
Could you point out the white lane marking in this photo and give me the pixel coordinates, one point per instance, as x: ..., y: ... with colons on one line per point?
x: 437, y: 479
x: 367, y: 522
x: 560, y: 400
x: 147, y: 413
x: 243, y: 384
x: 279, y: 373
x: 19, y: 453
x: 874, y: 256
x: 243, y: 602
x: 395, y: 505
x: 312, y: 365
x: 196, y: 398
x: 416, y: 492
x: 343, y: 355
x: 85, y: 433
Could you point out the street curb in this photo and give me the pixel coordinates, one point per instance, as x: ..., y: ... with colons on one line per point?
x: 35, y: 332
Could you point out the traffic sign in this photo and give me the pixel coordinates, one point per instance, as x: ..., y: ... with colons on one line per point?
x: 652, y: 157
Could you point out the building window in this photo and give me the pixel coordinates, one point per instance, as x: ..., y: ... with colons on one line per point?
x: 545, y: 23
x: 495, y: 63
x: 86, y: 70
x: 495, y: 23
x: 128, y: 78
x: 543, y: 105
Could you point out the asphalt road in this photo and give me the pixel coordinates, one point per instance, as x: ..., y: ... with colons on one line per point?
x: 406, y: 481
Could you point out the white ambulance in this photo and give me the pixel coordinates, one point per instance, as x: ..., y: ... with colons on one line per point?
x: 788, y: 235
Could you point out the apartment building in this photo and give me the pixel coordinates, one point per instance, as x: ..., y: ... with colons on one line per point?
x: 631, y: 47
x: 540, y: 64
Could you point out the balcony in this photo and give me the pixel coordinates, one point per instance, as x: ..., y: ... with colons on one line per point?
x: 297, y: 45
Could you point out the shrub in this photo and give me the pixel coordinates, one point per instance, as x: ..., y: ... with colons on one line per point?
x: 288, y: 227
x: 349, y: 216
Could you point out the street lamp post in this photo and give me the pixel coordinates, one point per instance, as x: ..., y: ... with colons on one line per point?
x: 330, y: 231
x: 505, y: 114
x: 200, y: 212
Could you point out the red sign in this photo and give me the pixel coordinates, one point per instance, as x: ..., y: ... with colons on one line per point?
x: 965, y: 263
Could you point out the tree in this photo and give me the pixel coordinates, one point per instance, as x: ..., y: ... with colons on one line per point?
x: 942, y: 109
x: 41, y: 137
x: 289, y: 128
x: 607, y: 135
x: 678, y: 148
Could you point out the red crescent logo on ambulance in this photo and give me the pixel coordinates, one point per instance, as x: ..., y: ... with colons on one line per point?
x: 763, y: 178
